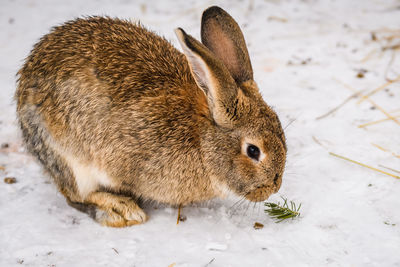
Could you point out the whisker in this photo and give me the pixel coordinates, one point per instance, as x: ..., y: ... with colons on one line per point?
x: 247, y: 208
x: 244, y: 212
x: 293, y: 120
x: 291, y: 175
x: 241, y: 198
x: 236, y: 207
x: 254, y: 206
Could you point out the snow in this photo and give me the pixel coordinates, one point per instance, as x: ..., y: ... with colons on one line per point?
x: 306, y: 56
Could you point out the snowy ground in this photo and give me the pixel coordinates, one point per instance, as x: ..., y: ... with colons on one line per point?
x: 306, y: 56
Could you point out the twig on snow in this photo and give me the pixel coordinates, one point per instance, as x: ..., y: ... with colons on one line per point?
x: 355, y: 95
x: 364, y: 165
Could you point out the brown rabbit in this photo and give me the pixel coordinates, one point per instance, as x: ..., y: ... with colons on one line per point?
x: 117, y: 115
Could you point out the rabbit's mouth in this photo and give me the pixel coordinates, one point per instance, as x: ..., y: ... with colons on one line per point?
x: 261, y: 193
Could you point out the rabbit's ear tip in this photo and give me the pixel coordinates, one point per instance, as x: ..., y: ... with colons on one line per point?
x: 213, y: 10
x: 212, y: 13
x: 180, y: 33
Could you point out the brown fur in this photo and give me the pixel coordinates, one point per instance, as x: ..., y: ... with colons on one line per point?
x: 111, y: 100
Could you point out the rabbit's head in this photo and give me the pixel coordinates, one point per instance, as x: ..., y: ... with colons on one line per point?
x: 245, y: 144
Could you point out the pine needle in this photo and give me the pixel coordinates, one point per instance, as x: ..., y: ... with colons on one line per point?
x: 375, y: 122
x: 379, y: 147
x: 383, y: 111
x: 370, y: 101
x: 383, y: 86
x: 386, y: 150
x: 364, y: 165
x: 390, y: 169
x: 282, y: 212
x: 356, y: 94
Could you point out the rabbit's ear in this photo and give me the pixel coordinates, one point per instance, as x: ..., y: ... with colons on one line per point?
x: 212, y: 77
x: 222, y: 35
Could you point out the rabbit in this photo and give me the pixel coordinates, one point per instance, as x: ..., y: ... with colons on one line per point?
x: 117, y: 116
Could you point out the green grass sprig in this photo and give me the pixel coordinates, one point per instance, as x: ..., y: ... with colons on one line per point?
x: 282, y: 212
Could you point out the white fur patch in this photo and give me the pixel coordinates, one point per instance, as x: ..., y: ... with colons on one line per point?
x: 221, y: 189
x: 87, y: 176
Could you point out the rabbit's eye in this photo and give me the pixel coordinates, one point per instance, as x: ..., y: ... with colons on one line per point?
x: 253, y: 152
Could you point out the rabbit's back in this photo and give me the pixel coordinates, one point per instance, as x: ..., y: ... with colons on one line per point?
x: 126, y: 57
x: 92, y: 77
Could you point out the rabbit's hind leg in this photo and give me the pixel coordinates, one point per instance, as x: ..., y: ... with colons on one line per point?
x: 114, y: 210
x: 77, y: 180
x: 106, y: 207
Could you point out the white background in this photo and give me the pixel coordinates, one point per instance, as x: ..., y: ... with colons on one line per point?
x: 306, y: 56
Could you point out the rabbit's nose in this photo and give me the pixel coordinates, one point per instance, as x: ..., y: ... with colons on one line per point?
x: 277, y: 182
x: 276, y: 179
